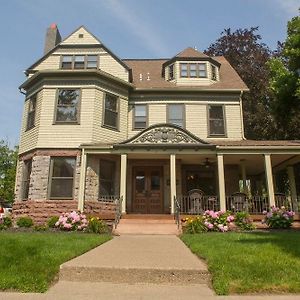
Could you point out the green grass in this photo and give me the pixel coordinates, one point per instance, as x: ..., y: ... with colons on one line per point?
x: 29, y: 262
x: 256, y: 262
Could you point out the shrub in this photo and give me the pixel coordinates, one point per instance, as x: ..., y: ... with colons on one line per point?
x: 278, y: 217
x: 52, y: 221
x: 5, y: 223
x: 74, y: 221
x: 194, y: 225
x: 26, y: 222
x: 40, y: 228
x: 243, y: 221
x: 96, y: 225
x: 217, y: 220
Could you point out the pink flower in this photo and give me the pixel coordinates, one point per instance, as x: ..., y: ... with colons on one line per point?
x: 230, y: 218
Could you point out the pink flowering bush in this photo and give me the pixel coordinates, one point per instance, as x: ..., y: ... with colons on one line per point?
x: 278, y: 217
x: 218, y: 220
x: 74, y: 221
x: 209, y: 221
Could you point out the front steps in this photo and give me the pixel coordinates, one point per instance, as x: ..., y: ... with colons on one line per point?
x: 147, y: 224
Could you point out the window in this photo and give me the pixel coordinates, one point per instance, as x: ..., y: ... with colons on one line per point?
x: 62, y: 177
x: 216, y: 120
x: 111, y: 111
x: 67, y: 106
x: 202, y: 70
x: 176, y: 114
x: 66, y: 62
x: 213, y: 72
x: 183, y: 70
x: 31, y: 113
x: 193, y: 70
x: 171, y: 72
x: 79, y: 62
x: 26, y: 178
x: 107, y: 178
x: 92, y: 61
x: 140, y: 117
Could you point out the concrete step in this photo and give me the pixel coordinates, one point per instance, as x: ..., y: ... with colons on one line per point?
x: 148, y: 216
x: 146, y: 228
x: 147, y: 221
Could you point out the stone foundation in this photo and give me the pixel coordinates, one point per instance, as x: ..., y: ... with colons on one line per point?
x: 40, y: 210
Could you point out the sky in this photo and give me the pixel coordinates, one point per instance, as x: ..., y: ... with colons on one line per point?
x: 130, y: 28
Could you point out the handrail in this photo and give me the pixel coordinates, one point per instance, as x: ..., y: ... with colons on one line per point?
x: 177, y: 212
x: 118, y: 202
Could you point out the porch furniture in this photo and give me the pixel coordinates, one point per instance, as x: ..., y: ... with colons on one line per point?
x: 282, y: 200
x: 239, y: 202
x: 196, y: 199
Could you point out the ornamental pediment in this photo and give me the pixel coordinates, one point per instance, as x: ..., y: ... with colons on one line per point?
x: 165, y: 134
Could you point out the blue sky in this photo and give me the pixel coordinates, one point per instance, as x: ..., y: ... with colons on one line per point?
x: 130, y: 28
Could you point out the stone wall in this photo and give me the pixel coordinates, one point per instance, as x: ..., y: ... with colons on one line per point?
x: 40, y: 210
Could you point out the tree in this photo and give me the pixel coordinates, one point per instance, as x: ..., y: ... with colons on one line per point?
x: 285, y: 84
x: 248, y: 56
x: 8, y: 161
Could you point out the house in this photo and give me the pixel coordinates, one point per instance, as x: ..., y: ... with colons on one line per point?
x: 147, y: 134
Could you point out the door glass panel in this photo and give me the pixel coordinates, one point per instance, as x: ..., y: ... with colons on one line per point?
x: 140, y: 182
x: 155, y: 181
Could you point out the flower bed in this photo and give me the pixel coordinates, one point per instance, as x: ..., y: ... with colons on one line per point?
x: 278, y: 218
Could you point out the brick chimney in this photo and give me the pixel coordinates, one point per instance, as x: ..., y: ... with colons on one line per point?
x: 52, y: 38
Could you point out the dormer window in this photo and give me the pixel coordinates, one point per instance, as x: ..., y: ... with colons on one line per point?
x: 213, y: 72
x: 79, y: 62
x: 171, y: 72
x: 193, y: 70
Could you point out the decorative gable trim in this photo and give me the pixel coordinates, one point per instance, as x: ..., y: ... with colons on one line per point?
x: 165, y: 134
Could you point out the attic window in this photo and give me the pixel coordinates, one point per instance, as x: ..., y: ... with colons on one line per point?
x: 80, y: 35
x: 213, y: 72
x: 171, y: 72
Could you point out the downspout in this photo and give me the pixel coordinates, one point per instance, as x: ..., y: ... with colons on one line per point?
x: 241, y: 112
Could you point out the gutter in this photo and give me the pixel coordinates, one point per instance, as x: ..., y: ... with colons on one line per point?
x: 241, y: 113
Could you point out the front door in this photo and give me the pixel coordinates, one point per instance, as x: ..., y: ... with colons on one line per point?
x: 147, y: 190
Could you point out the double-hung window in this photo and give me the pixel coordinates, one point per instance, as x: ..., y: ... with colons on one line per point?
x: 216, y: 120
x: 91, y: 61
x: 67, y: 62
x: 107, y: 178
x: 213, y: 72
x: 202, y: 70
x: 171, y: 72
x: 193, y: 70
x: 61, y: 177
x: 67, y: 108
x: 183, y: 70
x: 111, y: 111
x: 140, y: 116
x: 176, y: 114
x: 31, y: 112
x: 79, y: 61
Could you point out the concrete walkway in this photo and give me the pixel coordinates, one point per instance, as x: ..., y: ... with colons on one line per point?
x: 138, y: 259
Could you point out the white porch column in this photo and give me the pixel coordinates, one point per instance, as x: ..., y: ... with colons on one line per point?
x: 123, y: 181
x: 244, y: 176
x: 82, y: 181
x: 221, y: 181
x: 172, y: 180
x: 269, y: 178
x: 292, y: 181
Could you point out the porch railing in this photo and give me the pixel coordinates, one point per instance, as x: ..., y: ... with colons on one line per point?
x: 117, y: 200
x: 253, y: 205
x: 197, y: 205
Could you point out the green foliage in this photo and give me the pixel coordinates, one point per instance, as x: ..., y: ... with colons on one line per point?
x: 5, y: 223
x: 40, y: 228
x: 243, y: 221
x: 25, y: 222
x: 96, y: 225
x: 8, y: 162
x: 51, y: 222
x: 194, y: 225
x: 279, y: 217
x: 29, y: 262
x: 284, y: 84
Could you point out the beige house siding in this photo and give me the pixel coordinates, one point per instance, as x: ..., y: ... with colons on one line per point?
x: 196, y: 118
x: 112, y: 66
x: 29, y: 138
x: 74, y: 39
x: 62, y: 135
x: 105, y: 135
x: 52, y: 62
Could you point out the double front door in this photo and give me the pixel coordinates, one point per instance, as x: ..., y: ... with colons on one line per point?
x: 147, y: 190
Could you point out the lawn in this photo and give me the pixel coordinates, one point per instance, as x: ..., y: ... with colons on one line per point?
x: 29, y: 262
x: 255, y: 262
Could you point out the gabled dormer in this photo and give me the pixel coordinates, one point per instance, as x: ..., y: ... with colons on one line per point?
x: 191, y: 67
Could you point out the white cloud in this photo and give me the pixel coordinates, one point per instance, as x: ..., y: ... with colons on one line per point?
x: 145, y: 32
